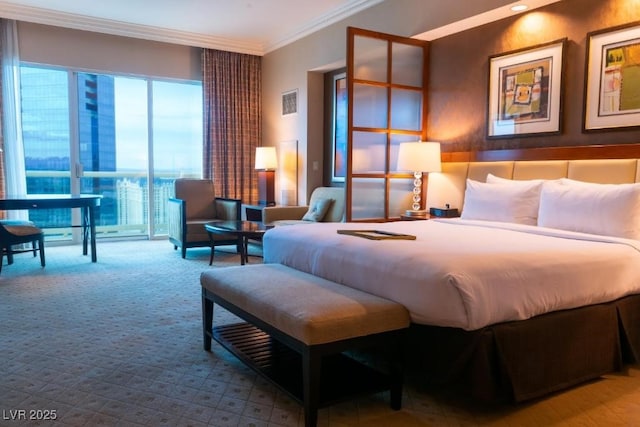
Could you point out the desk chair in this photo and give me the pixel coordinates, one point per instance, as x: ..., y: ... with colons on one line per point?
x: 16, y: 232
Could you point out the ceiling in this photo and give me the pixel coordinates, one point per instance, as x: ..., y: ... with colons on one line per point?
x: 246, y: 26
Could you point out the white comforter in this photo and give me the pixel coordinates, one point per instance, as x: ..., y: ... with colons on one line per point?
x: 465, y: 274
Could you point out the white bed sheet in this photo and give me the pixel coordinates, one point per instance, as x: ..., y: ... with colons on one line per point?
x: 465, y: 274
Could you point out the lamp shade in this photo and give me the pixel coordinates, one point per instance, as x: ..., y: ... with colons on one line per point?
x: 419, y: 157
x: 266, y: 158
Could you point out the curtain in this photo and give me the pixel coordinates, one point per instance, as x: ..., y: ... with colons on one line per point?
x: 2, y: 50
x: 13, y: 168
x: 232, y: 87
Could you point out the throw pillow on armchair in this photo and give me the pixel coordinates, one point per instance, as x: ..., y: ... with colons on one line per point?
x: 317, y: 210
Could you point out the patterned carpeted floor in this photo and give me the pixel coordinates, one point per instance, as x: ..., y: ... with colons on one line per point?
x: 118, y: 343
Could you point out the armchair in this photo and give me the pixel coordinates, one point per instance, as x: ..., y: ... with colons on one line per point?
x: 194, y: 205
x: 333, y: 211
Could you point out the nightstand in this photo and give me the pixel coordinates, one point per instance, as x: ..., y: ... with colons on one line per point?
x: 252, y: 212
x: 414, y: 218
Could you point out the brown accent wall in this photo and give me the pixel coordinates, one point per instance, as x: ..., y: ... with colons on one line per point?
x: 460, y: 66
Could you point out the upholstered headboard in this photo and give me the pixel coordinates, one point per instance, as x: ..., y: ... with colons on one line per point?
x: 448, y: 186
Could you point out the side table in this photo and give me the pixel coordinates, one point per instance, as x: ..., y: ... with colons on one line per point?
x: 414, y: 218
x: 244, y: 230
x: 252, y: 212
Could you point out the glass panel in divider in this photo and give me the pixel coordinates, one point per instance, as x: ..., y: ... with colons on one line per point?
x: 407, y: 63
x: 369, y: 106
x: 400, y: 196
x: 370, y: 59
x: 406, y: 109
x: 369, y: 152
x: 368, y: 198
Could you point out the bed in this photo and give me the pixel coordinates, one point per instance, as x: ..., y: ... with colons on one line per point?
x: 535, y: 289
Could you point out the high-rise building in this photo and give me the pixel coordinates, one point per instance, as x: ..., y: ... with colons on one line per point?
x: 46, y: 135
x: 97, y: 133
x: 130, y: 201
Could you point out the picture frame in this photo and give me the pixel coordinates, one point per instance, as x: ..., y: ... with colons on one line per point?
x: 339, y: 137
x: 525, y: 91
x: 290, y: 102
x: 612, y: 79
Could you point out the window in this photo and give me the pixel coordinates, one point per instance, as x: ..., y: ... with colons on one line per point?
x: 122, y: 137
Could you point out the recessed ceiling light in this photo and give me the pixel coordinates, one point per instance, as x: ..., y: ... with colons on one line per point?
x: 519, y: 7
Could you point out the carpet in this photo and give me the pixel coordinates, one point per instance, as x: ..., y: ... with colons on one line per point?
x: 119, y: 343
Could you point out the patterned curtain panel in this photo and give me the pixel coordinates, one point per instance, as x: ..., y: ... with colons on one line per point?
x: 232, y: 122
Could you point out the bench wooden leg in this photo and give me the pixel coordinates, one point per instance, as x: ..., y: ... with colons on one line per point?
x: 396, y: 387
x: 396, y: 370
x: 207, y: 320
x: 311, y: 374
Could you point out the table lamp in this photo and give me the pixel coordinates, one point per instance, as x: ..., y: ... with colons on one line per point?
x: 418, y: 157
x: 266, y: 164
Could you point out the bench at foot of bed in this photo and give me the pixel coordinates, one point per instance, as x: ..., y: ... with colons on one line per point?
x: 298, y: 328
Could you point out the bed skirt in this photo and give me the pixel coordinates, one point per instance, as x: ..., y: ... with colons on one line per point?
x: 527, y: 359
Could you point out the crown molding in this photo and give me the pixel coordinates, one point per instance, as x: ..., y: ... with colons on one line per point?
x: 351, y: 8
x: 119, y: 28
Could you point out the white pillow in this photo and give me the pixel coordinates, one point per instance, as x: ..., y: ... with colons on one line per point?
x: 492, y: 179
x: 498, y: 202
x: 603, y: 209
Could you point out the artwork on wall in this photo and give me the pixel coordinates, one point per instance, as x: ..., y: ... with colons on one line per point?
x: 290, y: 102
x: 525, y: 91
x: 339, y: 167
x: 612, y: 73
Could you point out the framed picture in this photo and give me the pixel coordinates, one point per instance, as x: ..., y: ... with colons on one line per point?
x: 525, y: 91
x: 290, y: 102
x: 612, y: 78
x: 339, y: 167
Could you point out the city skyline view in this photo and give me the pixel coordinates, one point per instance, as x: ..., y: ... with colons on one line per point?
x: 127, y: 128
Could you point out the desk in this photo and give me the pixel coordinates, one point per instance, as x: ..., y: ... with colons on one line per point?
x: 86, y: 202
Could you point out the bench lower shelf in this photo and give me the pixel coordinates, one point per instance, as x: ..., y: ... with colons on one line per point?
x: 342, y: 376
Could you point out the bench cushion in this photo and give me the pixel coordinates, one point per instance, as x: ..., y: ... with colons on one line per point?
x: 311, y: 309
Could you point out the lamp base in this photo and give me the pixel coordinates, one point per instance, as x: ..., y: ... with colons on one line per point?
x: 422, y: 213
x: 266, y: 188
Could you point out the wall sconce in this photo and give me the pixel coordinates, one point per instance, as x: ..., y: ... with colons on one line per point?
x: 418, y: 157
x: 266, y: 164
